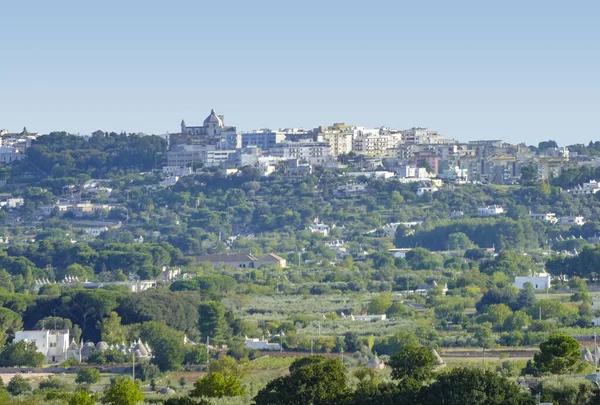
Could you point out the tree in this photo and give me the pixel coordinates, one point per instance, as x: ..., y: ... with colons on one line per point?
x: 216, y: 385
x: 459, y: 241
x: 560, y: 354
x: 124, y: 391
x: 483, y: 336
x: 18, y: 386
x: 312, y: 380
x: 472, y: 386
x: 22, y: 353
x: 211, y: 320
x: 88, y: 375
x: 413, y: 366
x: 526, y: 297
x: 166, y: 343
x: 227, y: 366
x: 380, y: 304
x: 82, y: 398
x: 111, y: 330
x: 352, y: 342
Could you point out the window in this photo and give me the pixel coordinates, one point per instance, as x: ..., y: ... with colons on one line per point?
x: 52, y: 344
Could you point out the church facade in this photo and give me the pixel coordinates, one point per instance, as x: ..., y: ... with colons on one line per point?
x: 212, y: 131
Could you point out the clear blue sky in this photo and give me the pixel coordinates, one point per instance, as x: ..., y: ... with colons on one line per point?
x: 523, y: 71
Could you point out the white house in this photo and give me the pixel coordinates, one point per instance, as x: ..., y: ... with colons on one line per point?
x: 539, y: 282
x: 491, y: 210
x: 258, y: 344
x: 592, y: 187
x: 571, y: 220
x: 548, y: 217
x: 423, y: 190
x: 51, y: 343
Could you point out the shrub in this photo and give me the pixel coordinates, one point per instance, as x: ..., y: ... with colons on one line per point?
x: 88, y: 375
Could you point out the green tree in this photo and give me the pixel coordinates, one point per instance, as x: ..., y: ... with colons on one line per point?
x: 560, y: 354
x: 18, y: 386
x: 352, y: 342
x: 111, y: 330
x: 483, y: 336
x: 472, y: 386
x: 166, y: 343
x: 82, y: 398
x: 459, y: 241
x: 88, y: 375
x: 124, y: 391
x: 380, y: 304
x: 526, y: 297
x: 22, y: 353
x: 413, y: 366
x: 216, y: 385
x: 312, y: 380
x: 211, y: 320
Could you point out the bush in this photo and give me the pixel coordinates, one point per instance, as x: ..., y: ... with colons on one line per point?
x: 52, y: 383
x: 18, y: 386
x: 88, y: 375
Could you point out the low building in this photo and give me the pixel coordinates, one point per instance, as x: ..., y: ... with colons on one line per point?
x: 242, y: 260
x: 548, y: 217
x: 425, y: 289
x: 425, y: 190
x: 258, y: 344
x: 51, y: 343
x: 490, y: 210
x: 571, y: 220
x: 591, y: 187
x: 539, y: 282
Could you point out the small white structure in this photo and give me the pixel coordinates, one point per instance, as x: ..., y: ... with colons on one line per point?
x: 366, y: 318
x: 592, y: 187
x: 14, y: 202
x: 539, y: 282
x: 571, y: 220
x: 491, y: 210
x: 596, y: 321
x: 548, y: 217
x: 400, y: 252
x: 51, y: 343
x: 258, y: 344
x: 423, y: 190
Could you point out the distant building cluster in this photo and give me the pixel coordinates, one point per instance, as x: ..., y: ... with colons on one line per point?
x: 413, y: 154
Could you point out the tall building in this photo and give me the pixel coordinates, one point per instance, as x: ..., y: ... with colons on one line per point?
x: 212, y: 131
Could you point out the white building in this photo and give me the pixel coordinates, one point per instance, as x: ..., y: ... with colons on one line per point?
x: 258, y: 344
x: 9, y: 155
x: 12, y: 202
x: 314, y: 153
x: 491, y: 210
x: 592, y: 187
x: 548, y: 217
x: 423, y: 190
x: 374, y: 141
x: 539, y: 282
x: 180, y: 171
x: 51, y: 343
x: 571, y: 220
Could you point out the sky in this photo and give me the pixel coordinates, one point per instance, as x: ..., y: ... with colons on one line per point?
x: 521, y: 71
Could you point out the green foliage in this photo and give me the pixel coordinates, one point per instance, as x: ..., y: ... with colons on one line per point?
x: 211, y: 320
x: 82, y: 398
x: 563, y: 390
x: 18, y: 386
x: 22, y: 353
x: 560, y: 354
x: 413, y: 366
x: 216, y: 385
x: 166, y: 343
x: 88, y: 375
x: 124, y: 391
x: 314, y: 380
x: 379, y: 305
x: 52, y: 383
x: 471, y: 386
